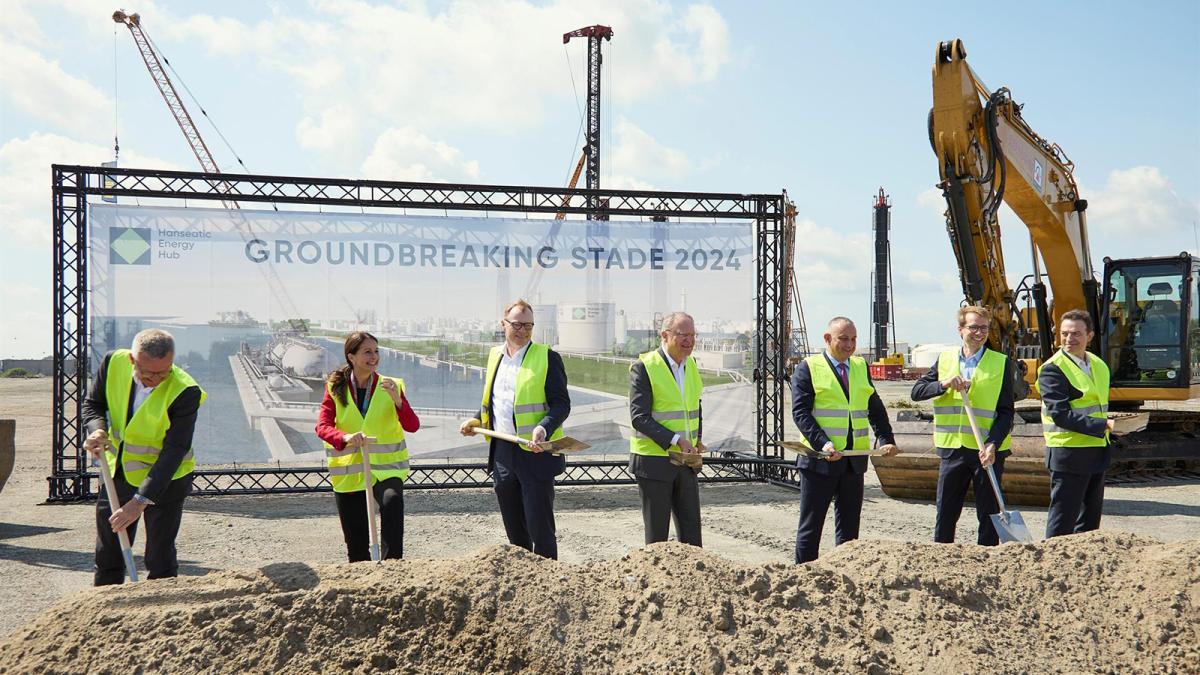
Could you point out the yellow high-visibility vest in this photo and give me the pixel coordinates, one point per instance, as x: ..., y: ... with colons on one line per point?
x: 679, y: 414
x: 529, y: 404
x: 143, y: 433
x: 1093, y: 403
x: 951, y: 428
x: 837, y: 416
x: 389, y: 452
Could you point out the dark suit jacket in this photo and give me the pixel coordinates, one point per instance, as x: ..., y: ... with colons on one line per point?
x: 641, y: 405
x: 930, y: 386
x: 1057, y: 394
x: 542, y: 464
x: 176, y: 443
x: 802, y: 406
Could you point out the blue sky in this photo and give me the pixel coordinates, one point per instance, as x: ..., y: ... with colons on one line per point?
x: 827, y: 103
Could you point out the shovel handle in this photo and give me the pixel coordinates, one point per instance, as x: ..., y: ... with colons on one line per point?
x: 369, y: 495
x: 114, y: 505
x: 511, y: 438
x: 979, y: 441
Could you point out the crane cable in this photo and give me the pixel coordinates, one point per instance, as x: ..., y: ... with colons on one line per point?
x: 582, y: 117
x: 116, y: 98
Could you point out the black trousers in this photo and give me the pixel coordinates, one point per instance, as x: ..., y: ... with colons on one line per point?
x: 664, y: 500
x: 526, y: 504
x: 1076, y: 502
x: 352, y: 511
x: 956, y: 473
x: 817, y: 492
x: 162, y: 526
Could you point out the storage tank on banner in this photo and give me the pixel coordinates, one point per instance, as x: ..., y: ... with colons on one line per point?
x: 586, y: 327
x: 545, y: 324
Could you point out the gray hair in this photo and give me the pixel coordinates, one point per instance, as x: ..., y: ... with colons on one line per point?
x: 836, y: 320
x: 154, y: 343
x: 673, y: 318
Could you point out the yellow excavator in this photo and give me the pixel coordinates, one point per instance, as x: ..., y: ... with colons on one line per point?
x: 1146, y: 310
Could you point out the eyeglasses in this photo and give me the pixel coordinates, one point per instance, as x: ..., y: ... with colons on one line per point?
x: 520, y: 325
x: 684, y: 336
x: 976, y: 329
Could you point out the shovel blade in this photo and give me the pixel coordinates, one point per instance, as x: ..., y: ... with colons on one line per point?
x: 566, y: 444
x: 1010, y: 526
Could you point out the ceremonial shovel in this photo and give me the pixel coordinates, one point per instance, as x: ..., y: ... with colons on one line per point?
x: 1010, y: 526
x: 370, y: 496
x: 797, y: 446
x: 114, y: 506
x: 556, y: 447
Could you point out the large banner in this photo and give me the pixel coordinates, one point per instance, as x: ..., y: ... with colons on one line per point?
x: 259, y: 303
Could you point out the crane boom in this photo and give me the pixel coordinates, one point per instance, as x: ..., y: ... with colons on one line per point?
x: 154, y: 65
x: 167, y: 89
x: 987, y: 154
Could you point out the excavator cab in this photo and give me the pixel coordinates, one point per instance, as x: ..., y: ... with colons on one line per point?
x: 1150, y: 323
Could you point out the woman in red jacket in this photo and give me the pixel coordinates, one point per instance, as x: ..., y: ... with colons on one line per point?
x: 359, y: 400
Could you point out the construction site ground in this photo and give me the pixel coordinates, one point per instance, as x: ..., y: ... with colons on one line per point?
x: 46, y: 550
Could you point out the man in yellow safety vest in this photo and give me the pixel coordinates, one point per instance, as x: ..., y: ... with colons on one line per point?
x: 524, y: 393
x: 1074, y: 388
x: 664, y: 409
x: 984, y: 378
x: 833, y: 403
x: 140, y: 416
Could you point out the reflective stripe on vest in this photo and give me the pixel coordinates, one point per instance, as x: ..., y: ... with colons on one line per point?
x: 389, y: 452
x: 951, y: 427
x: 143, y: 434
x: 529, y: 402
x: 1093, y: 401
x: 678, y: 414
x: 838, y: 417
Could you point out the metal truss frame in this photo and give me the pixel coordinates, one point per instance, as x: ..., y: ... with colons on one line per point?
x: 70, y: 478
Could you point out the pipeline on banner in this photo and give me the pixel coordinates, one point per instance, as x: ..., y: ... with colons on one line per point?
x: 309, y: 252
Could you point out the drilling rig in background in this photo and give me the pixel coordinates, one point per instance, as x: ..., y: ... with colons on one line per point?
x: 887, y: 364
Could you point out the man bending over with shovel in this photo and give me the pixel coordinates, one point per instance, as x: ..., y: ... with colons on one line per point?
x: 984, y: 378
x: 140, y: 417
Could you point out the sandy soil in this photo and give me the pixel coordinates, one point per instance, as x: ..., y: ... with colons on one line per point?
x: 45, y: 551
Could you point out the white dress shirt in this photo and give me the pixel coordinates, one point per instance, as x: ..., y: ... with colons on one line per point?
x: 504, y: 390
x: 1083, y: 363
x: 679, y: 370
x: 140, y: 393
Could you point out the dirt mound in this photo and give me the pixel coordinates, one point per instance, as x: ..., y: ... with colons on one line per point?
x: 1098, y: 602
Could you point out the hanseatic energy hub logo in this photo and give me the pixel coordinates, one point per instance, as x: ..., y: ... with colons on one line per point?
x: 129, y: 245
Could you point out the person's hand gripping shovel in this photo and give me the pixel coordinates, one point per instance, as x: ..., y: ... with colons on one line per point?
x: 554, y: 447
x: 1010, y: 525
x: 372, y: 520
x: 114, y: 505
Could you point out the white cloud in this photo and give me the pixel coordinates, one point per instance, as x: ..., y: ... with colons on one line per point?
x: 406, y: 154
x: 43, y: 90
x: 830, y: 264
x: 332, y: 129
x: 409, y: 60
x: 931, y: 200
x: 25, y: 179
x: 636, y: 156
x: 1139, y: 200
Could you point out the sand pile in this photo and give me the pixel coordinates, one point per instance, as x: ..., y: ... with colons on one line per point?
x: 1100, y: 602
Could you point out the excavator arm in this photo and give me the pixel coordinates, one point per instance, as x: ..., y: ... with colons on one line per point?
x: 987, y: 154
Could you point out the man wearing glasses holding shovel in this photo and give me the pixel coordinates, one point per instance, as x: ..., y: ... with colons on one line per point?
x: 665, y: 447
x: 140, y: 415
x: 833, y: 402
x: 983, y: 377
x: 524, y: 394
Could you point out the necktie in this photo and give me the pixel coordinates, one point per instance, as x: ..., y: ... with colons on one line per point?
x: 844, y: 377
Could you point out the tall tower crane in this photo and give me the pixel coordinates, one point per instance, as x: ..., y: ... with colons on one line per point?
x: 199, y: 148
x: 594, y: 34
